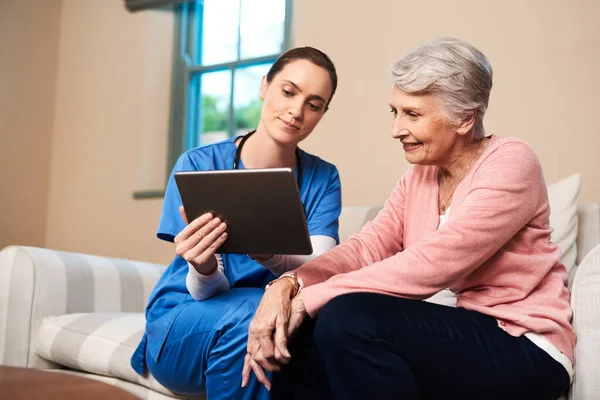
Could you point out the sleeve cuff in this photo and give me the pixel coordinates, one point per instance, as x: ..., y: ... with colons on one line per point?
x: 204, y: 286
x: 205, y: 279
x: 271, y: 262
x: 314, y: 298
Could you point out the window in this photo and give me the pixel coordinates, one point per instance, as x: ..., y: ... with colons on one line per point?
x: 223, y: 49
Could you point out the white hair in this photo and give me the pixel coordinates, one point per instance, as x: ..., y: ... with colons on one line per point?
x: 458, y: 74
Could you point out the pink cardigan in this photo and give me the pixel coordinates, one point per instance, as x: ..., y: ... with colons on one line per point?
x: 494, y: 252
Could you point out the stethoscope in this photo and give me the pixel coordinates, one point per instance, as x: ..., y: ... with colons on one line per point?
x: 238, y: 154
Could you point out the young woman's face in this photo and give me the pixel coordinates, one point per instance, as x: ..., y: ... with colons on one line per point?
x: 422, y: 126
x: 294, y: 101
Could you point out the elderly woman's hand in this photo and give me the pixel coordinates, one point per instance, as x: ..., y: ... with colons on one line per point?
x: 276, y: 319
x: 297, y: 316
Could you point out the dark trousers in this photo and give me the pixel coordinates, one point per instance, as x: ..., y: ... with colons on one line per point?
x: 372, y: 346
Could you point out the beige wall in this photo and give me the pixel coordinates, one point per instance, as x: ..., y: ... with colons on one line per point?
x: 546, y: 60
x: 112, y: 105
x: 112, y: 96
x: 28, y: 51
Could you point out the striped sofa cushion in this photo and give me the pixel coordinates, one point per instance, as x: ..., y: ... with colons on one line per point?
x: 36, y: 283
x: 99, y: 343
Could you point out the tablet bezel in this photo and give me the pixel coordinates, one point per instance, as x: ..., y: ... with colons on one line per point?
x: 262, y: 208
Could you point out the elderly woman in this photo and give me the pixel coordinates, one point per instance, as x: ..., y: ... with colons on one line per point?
x: 470, y: 215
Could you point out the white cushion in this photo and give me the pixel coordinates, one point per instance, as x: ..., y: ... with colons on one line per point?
x: 352, y: 219
x: 100, y: 343
x: 588, y: 237
x: 562, y: 196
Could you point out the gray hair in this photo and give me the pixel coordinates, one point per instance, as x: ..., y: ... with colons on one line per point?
x: 458, y: 74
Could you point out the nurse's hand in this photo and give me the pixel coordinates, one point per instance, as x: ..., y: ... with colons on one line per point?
x: 199, y: 240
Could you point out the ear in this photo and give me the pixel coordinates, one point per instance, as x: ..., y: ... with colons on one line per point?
x: 264, y: 85
x: 467, y: 124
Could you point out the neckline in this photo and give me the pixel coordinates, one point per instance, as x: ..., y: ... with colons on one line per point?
x: 492, y: 144
x: 447, y: 212
x: 493, y: 140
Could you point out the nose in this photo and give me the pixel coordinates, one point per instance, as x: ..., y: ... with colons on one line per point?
x: 399, y: 129
x: 296, y: 110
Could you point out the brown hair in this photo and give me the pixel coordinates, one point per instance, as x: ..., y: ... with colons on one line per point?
x: 311, y: 54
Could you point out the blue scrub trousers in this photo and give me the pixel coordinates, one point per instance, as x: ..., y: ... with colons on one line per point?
x: 205, y: 348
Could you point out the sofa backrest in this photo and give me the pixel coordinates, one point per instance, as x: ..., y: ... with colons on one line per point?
x: 353, y: 218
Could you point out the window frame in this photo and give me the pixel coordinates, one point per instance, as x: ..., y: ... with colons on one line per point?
x: 183, y: 69
x: 182, y: 135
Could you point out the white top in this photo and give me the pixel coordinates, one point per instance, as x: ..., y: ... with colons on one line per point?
x: 444, y: 218
x: 448, y: 298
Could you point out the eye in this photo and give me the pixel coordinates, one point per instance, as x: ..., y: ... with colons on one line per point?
x: 394, y: 111
x: 287, y: 93
x: 314, y: 107
x: 411, y: 114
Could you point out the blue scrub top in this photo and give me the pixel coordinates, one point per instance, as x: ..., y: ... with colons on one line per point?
x: 320, y: 193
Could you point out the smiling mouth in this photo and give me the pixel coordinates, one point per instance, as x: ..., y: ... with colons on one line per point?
x: 415, y: 144
x: 290, y: 124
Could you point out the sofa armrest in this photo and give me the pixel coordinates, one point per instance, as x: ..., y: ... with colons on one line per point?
x: 36, y: 283
x: 585, y: 298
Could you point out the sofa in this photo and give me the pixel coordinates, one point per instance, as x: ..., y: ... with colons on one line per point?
x: 83, y: 314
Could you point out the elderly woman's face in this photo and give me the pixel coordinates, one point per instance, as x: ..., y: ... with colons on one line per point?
x: 420, y: 123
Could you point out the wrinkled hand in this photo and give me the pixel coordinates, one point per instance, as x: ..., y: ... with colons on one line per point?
x: 297, y: 316
x: 275, y: 322
x: 199, y: 240
x: 267, y: 333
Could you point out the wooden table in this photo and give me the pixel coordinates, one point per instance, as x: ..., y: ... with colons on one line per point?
x: 33, y: 384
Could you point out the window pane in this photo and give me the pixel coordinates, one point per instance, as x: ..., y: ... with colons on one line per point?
x: 220, y: 31
x: 262, y: 27
x: 246, y: 97
x: 214, y: 114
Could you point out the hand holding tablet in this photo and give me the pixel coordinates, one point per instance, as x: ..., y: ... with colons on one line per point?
x: 198, y: 241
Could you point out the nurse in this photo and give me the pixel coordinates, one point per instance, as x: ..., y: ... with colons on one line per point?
x: 198, y: 314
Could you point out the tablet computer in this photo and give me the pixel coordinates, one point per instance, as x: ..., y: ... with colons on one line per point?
x: 261, y: 207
